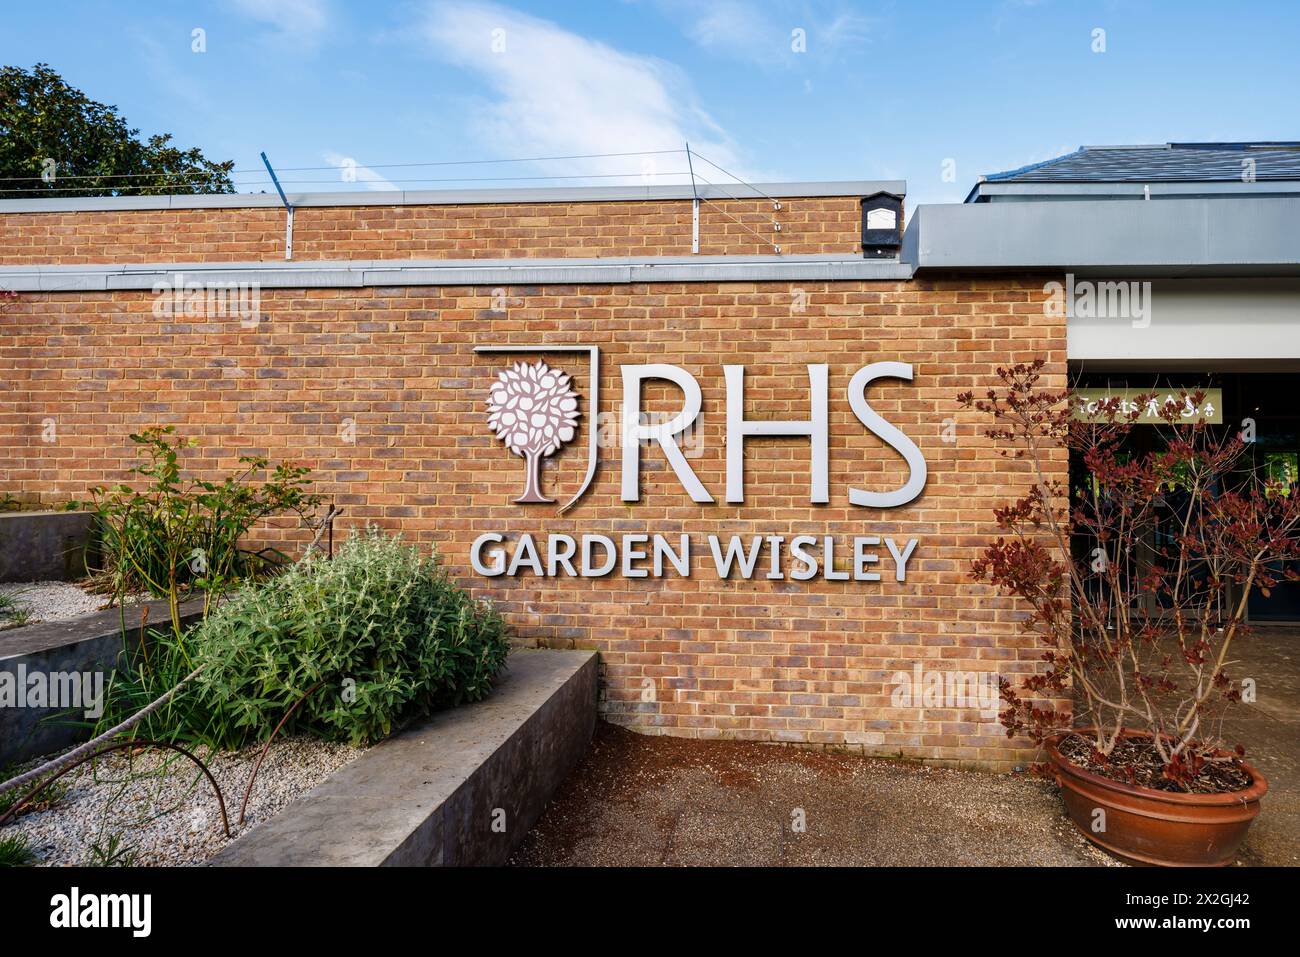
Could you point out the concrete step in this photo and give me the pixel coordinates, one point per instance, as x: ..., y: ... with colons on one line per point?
x: 90, y: 648
x: 460, y: 788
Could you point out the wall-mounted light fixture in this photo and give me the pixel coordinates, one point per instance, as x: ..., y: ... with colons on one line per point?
x: 882, y: 225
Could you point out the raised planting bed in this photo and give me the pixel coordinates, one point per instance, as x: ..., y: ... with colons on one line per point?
x: 74, y: 655
x: 44, y: 546
x: 156, y: 808
x: 460, y: 788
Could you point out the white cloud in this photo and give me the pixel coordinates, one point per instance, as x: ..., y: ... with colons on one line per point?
x: 554, y: 92
x: 845, y: 31
x: 349, y: 167
x: 735, y: 29
x: 304, y: 20
x: 744, y: 32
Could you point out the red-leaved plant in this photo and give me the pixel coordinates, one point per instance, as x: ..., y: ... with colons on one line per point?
x: 1137, y: 579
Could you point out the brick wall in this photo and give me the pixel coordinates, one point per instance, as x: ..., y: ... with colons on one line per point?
x: 809, y: 225
x: 794, y: 661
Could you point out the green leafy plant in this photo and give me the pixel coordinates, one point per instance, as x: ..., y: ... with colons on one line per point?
x: 347, y: 649
x: 15, y: 852
x: 111, y: 851
x: 179, y: 534
x: 7, y: 604
x: 45, y: 799
x: 8, y: 503
x: 12, y: 614
x: 152, y: 664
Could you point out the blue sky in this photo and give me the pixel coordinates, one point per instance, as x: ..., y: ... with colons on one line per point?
x: 934, y: 93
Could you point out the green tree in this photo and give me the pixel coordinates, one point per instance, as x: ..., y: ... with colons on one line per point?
x: 56, y: 141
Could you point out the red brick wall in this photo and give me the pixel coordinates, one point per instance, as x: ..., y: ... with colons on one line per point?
x: 662, y: 228
x: 773, y: 660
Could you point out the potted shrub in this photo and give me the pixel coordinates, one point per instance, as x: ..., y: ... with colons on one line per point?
x: 1136, y: 577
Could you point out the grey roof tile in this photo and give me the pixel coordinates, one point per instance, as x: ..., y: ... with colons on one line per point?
x: 1173, y: 162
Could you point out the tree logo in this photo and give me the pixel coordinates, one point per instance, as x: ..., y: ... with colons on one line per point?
x: 533, y: 411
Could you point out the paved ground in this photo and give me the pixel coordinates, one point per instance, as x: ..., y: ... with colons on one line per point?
x: 1270, y: 731
x: 642, y: 800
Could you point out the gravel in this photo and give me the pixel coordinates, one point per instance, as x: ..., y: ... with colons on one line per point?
x: 53, y: 601
x: 57, y: 601
x: 640, y: 800
x: 161, y: 808
x: 158, y: 806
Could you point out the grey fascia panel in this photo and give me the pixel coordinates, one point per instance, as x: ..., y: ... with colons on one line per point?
x: 1187, y: 235
x: 305, y: 278
x: 25, y: 279
x: 379, y: 273
x: 457, y: 197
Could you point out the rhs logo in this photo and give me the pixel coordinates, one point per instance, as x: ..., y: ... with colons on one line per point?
x: 532, y: 409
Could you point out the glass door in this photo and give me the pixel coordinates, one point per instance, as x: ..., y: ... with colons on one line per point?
x: 1283, y: 601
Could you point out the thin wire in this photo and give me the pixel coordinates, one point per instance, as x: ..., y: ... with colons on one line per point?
x: 233, y: 172
x: 735, y: 177
x: 502, y: 179
x: 526, y: 159
x: 306, y: 169
x: 465, y: 179
x: 735, y: 198
x: 122, y: 188
x: 775, y: 246
x: 762, y: 239
x: 42, y: 193
x: 765, y: 241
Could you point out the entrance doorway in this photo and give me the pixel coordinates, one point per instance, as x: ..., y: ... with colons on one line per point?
x: 1260, y: 404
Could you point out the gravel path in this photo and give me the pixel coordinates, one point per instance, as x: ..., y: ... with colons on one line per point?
x: 161, y: 808
x: 57, y: 601
x: 53, y: 601
x: 641, y: 800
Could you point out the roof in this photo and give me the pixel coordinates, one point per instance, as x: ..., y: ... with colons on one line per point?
x: 1229, y: 166
x: 1173, y: 162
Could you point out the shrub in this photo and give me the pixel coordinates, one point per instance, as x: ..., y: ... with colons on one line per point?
x: 154, y: 661
x: 186, y: 532
x: 1135, y: 583
x: 365, y: 641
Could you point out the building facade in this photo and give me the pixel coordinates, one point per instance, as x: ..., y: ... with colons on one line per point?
x: 761, y: 498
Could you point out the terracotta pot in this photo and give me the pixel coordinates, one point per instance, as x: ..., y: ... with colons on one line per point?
x: 1145, y: 826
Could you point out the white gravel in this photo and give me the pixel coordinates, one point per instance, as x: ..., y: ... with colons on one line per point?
x: 161, y: 807
x: 55, y: 601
